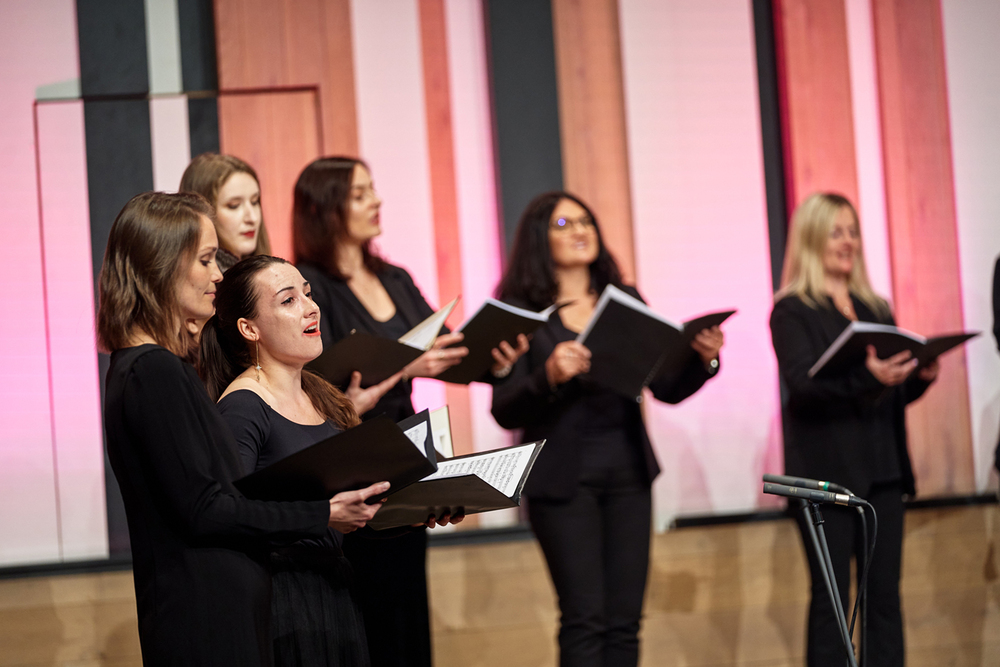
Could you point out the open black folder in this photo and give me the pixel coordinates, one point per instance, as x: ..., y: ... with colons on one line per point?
x: 851, y: 345
x: 378, y: 358
x: 493, y: 323
x: 374, y: 451
x: 467, y: 484
x: 631, y: 345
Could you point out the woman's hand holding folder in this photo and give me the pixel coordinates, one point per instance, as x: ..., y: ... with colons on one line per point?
x: 365, y: 399
x: 349, y: 511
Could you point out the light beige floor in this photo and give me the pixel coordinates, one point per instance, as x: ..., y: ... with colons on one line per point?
x: 727, y: 595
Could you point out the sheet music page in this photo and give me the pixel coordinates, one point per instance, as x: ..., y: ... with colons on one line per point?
x: 418, y: 436
x: 423, y: 335
x: 501, y: 469
x: 441, y: 431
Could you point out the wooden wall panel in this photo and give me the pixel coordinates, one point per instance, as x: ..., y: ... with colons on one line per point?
x: 441, y: 151
x: 278, y: 133
x: 815, y: 84
x: 592, y: 118
x: 920, y: 200
x: 276, y: 43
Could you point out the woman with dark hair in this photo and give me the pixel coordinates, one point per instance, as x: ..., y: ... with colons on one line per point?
x: 202, y: 589
x: 335, y: 218
x: 589, y: 497
x: 850, y: 427
x: 266, y: 328
x: 231, y: 186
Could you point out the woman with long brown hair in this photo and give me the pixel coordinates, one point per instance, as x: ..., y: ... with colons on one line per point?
x: 232, y: 187
x: 335, y: 220
x: 266, y: 328
x: 849, y: 427
x: 202, y: 588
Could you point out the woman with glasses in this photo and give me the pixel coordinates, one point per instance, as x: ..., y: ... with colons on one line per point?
x: 589, y: 497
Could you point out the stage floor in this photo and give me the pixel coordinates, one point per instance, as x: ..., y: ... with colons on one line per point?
x: 718, y: 596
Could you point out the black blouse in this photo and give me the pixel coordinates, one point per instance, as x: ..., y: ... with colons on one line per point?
x: 202, y: 593
x: 264, y: 437
x: 847, y: 428
x: 578, y: 413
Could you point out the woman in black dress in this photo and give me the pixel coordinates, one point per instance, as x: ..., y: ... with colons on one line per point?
x: 847, y: 428
x: 334, y: 221
x: 589, y: 498
x: 202, y: 589
x: 231, y: 186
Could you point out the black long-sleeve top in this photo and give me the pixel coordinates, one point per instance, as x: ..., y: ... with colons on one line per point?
x: 202, y: 593
x: 576, y: 410
x: 847, y: 428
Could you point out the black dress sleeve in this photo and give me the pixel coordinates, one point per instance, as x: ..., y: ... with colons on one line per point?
x: 524, y: 397
x: 172, y: 422
x: 250, y: 423
x: 796, y: 353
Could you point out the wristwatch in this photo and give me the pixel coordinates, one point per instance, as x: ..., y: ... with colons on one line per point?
x: 713, y: 366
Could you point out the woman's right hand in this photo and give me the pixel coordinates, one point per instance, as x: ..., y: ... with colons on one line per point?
x: 365, y: 399
x: 567, y: 360
x: 349, y: 511
x: 892, y: 371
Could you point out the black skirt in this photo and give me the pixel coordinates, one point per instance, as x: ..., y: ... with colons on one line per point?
x: 314, y: 618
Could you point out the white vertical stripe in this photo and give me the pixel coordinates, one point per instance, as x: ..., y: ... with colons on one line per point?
x: 76, y: 402
x: 868, y: 144
x: 168, y: 121
x: 476, y: 193
x: 392, y: 135
x: 701, y: 239
x: 972, y: 59
x: 163, y: 47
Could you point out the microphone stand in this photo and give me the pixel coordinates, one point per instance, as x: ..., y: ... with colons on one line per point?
x: 814, y: 526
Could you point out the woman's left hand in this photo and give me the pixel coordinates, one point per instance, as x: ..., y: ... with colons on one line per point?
x: 439, y: 358
x: 708, y: 342
x: 930, y: 372
x: 506, y: 356
x: 444, y: 519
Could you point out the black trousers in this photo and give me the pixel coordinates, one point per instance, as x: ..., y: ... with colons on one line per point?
x: 597, y: 549
x: 885, y: 619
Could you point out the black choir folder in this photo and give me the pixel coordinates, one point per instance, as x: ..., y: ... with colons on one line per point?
x: 468, y: 484
x: 850, y: 346
x: 404, y: 455
x: 630, y: 345
x: 374, y: 451
x: 492, y: 324
x: 378, y: 358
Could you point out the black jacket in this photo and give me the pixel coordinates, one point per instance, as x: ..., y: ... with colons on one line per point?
x: 526, y: 401
x: 202, y: 594
x: 843, y: 428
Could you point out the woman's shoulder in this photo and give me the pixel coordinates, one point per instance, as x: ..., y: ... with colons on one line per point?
x: 148, y: 359
x: 395, y: 272
x: 243, y: 402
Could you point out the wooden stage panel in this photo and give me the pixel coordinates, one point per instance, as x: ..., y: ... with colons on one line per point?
x: 718, y: 596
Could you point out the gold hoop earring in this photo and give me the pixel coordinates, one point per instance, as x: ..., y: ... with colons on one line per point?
x: 256, y: 345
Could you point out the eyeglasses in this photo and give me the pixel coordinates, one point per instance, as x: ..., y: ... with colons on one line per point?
x: 584, y: 222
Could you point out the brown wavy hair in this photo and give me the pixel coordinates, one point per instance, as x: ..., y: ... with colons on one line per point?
x: 225, y: 353
x: 319, y: 214
x: 206, y: 175
x: 153, y: 239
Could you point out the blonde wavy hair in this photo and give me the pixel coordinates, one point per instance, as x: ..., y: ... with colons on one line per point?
x: 803, y: 274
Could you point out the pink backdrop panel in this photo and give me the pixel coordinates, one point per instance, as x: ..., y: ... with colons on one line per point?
x: 701, y: 238
x: 868, y: 145
x: 476, y: 194
x: 392, y: 136
x: 37, y: 48
x: 76, y: 401
x: 972, y: 59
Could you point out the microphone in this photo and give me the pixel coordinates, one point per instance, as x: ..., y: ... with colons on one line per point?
x: 806, y: 483
x: 813, y: 495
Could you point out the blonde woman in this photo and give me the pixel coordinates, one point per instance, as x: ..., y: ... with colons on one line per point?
x: 232, y: 188
x: 848, y: 428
